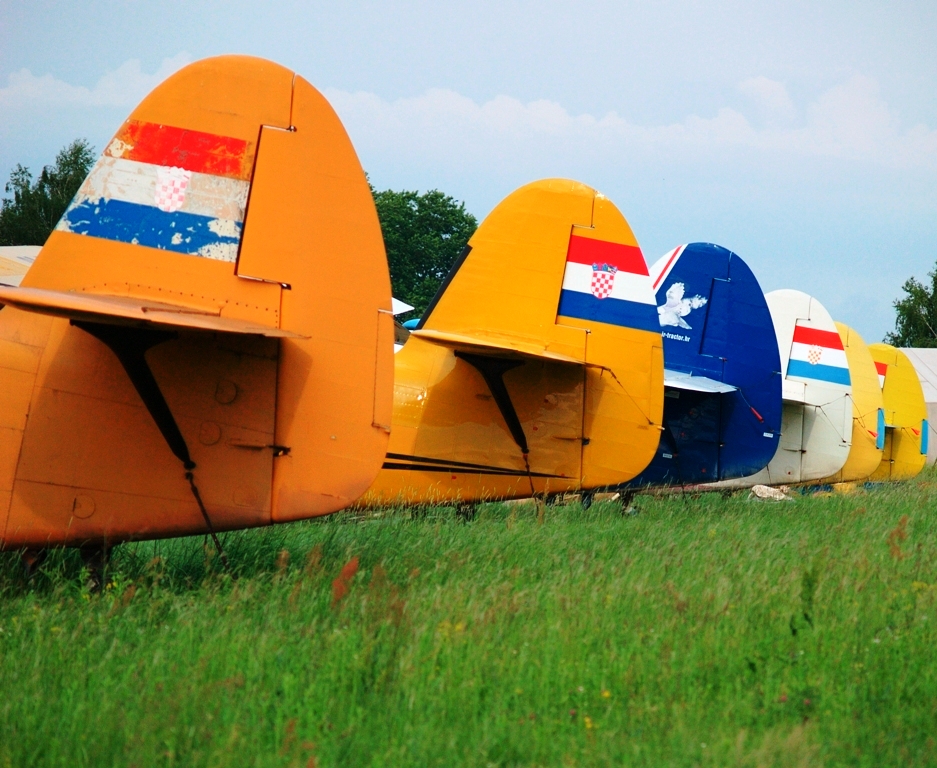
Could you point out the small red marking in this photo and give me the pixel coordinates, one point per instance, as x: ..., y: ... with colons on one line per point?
x: 666, y: 266
x: 585, y: 250
x: 826, y: 339
x: 183, y: 148
x: 881, y: 368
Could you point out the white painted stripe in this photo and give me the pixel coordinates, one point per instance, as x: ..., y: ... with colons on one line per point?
x: 881, y: 381
x: 832, y: 357
x: 133, y: 182
x: 627, y: 286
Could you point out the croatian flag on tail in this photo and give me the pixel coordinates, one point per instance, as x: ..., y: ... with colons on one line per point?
x: 818, y: 355
x: 609, y: 283
x: 881, y: 369
x: 169, y: 188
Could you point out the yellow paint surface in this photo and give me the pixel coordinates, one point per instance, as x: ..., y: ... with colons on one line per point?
x: 905, y: 412
x: 589, y: 395
x: 864, y: 457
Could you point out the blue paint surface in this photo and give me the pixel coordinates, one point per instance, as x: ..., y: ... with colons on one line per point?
x: 731, y: 339
x: 629, y: 314
x: 828, y: 373
x: 144, y: 225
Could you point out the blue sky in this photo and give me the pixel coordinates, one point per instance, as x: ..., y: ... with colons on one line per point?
x: 801, y: 135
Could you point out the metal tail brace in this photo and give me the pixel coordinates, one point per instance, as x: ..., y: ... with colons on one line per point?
x: 130, y: 345
x: 492, y: 370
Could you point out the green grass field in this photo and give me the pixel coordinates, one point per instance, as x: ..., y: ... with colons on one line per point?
x: 701, y: 631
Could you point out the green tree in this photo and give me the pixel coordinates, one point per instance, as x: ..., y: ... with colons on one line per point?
x: 916, y: 320
x: 423, y: 235
x: 30, y: 215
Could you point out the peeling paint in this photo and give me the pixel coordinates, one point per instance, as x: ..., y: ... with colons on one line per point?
x: 117, y: 148
x: 225, y: 228
x: 220, y: 252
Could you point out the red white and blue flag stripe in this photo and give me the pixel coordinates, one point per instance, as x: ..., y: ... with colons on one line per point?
x: 819, y: 355
x: 169, y: 188
x: 608, y: 283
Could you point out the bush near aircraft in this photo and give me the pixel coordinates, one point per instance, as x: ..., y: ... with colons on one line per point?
x: 30, y: 215
x: 916, y: 314
x: 423, y: 235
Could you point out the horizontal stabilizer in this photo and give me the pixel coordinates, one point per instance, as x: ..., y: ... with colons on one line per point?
x: 501, y: 346
x: 129, y: 310
x: 688, y: 381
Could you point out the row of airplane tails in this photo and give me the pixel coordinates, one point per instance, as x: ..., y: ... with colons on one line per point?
x: 206, y: 342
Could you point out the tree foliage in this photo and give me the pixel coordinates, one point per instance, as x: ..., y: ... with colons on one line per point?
x: 423, y: 235
x: 916, y: 320
x: 30, y: 215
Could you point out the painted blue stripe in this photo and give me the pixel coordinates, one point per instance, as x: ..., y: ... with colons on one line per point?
x: 629, y: 314
x: 181, y: 232
x: 925, y: 436
x: 830, y: 373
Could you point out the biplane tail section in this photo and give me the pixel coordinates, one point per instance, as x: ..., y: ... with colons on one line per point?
x: 548, y: 315
x: 816, y: 431
x: 868, y: 415
x: 722, y: 410
x: 208, y: 254
x: 905, y: 450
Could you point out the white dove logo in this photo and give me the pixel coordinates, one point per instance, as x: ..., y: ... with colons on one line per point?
x: 676, y: 307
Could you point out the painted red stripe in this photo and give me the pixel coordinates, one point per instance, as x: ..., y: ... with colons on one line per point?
x: 184, y: 148
x: 882, y: 368
x: 585, y: 250
x: 666, y: 267
x: 828, y: 339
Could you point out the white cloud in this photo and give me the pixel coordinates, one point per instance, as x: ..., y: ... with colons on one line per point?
x: 771, y: 99
x: 853, y: 119
x: 122, y: 87
x: 849, y: 121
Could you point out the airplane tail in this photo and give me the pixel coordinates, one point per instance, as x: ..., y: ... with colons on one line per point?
x: 225, y: 252
x: 554, y: 276
x: 906, y: 429
x: 868, y: 415
x: 816, y: 431
x: 722, y: 412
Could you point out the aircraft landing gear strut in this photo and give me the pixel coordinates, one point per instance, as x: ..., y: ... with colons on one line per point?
x: 96, y: 558
x: 32, y: 560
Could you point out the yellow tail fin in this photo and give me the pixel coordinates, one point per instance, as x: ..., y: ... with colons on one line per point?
x: 538, y: 367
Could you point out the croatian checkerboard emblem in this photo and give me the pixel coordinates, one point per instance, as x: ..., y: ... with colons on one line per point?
x: 603, y: 278
x: 171, y: 184
x: 814, y: 354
